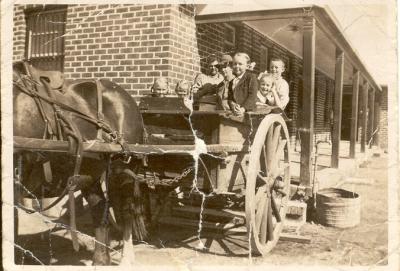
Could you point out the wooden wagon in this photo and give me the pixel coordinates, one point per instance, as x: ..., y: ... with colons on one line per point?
x: 242, y: 164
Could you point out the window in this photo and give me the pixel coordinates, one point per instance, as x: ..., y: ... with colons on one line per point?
x: 327, y: 104
x: 264, y: 59
x: 45, y: 29
x: 229, y: 38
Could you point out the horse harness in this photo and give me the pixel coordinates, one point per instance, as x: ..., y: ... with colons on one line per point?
x: 29, y: 84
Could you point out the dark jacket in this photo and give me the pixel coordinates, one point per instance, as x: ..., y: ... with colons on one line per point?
x: 245, y: 92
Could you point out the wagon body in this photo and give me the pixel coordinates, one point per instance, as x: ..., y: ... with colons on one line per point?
x: 249, y: 158
x: 222, y: 170
x: 221, y: 154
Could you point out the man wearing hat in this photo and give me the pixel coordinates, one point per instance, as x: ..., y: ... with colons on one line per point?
x: 205, y: 84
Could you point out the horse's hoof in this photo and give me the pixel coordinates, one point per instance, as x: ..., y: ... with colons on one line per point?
x: 128, y: 261
x: 128, y: 254
x: 101, y: 257
x: 101, y: 260
x: 101, y: 254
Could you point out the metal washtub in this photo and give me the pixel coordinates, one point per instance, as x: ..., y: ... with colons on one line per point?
x: 338, y: 207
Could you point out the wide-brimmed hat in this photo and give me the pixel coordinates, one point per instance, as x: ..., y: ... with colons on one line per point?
x: 225, y: 59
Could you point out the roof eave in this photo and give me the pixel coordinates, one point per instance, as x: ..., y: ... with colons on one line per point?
x: 251, y: 15
x: 328, y: 24
x: 324, y: 18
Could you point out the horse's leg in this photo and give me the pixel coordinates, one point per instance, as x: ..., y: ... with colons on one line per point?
x: 133, y: 215
x: 95, y: 197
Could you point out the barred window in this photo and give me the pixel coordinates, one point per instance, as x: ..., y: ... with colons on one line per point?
x: 229, y: 39
x: 45, y: 37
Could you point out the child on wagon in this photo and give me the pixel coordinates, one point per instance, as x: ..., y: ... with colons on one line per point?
x: 182, y: 88
x: 268, y: 93
x: 273, y: 89
x: 242, y: 93
x: 160, y: 87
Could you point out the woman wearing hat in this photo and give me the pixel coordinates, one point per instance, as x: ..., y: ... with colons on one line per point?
x: 225, y: 67
x: 205, y: 84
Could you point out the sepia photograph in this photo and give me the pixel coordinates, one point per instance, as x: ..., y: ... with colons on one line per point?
x: 200, y: 136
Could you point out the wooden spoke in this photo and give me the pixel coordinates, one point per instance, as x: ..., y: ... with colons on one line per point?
x: 260, y: 194
x: 264, y: 226
x: 269, y: 158
x: 283, y: 169
x: 281, y: 146
x: 260, y: 211
x: 261, y: 178
x: 263, y: 160
x: 275, y: 209
x: 275, y: 146
x: 276, y: 136
x: 270, y: 227
x: 270, y: 148
x: 281, y: 143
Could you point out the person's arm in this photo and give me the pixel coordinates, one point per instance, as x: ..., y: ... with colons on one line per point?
x: 198, y: 82
x: 231, y: 100
x: 204, y: 90
x: 250, y: 103
x: 281, y: 95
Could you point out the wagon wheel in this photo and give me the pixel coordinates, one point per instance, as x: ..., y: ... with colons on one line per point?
x: 268, y: 184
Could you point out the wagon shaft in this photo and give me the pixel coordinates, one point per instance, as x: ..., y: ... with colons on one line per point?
x: 32, y: 144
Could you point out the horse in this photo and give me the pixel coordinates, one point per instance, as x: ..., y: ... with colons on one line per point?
x: 86, y: 108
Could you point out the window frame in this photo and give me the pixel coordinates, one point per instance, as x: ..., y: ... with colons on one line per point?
x: 230, y: 43
x: 45, y: 42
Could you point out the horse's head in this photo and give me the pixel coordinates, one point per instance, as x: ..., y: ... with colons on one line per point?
x: 122, y: 112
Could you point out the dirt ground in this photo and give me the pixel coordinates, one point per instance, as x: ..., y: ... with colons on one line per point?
x: 170, y: 247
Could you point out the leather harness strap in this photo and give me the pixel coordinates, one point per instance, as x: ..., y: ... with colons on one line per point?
x: 100, y: 114
x: 31, y: 84
x: 48, y: 176
x: 99, y: 123
x: 74, y: 136
x: 67, y: 127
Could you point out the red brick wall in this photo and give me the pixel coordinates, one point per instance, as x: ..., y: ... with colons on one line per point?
x: 19, y: 31
x: 184, y: 60
x: 209, y: 41
x: 383, y: 122
x: 130, y: 44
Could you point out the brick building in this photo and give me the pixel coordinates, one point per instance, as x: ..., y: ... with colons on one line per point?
x: 129, y: 44
x: 133, y: 44
x: 382, y: 117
